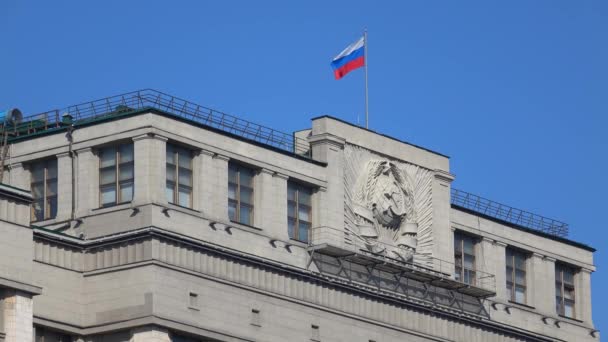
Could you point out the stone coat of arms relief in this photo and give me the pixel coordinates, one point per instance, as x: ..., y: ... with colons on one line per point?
x: 388, y: 205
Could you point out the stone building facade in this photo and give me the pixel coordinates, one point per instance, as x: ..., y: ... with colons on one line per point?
x: 144, y: 217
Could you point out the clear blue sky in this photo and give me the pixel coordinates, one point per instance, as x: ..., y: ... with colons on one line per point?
x: 514, y: 91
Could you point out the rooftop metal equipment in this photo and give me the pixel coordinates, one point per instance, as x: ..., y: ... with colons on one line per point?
x: 9, y: 119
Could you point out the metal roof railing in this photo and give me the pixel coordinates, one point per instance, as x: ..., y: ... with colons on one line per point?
x: 509, y: 214
x: 148, y: 98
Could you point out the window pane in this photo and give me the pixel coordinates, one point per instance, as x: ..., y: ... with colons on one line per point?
x: 52, y: 207
x: 51, y: 188
x: 246, y: 195
x: 170, y: 155
x: 509, y: 290
x: 468, y: 246
x: 246, y: 177
x: 38, y: 190
x: 169, y: 191
x: 520, y: 277
x: 520, y: 261
x: 51, y: 169
x: 170, y: 172
x: 457, y: 244
x: 291, y: 192
x: 37, y: 173
x: 520, y: 294
x: 107, y: 176
x: 126, y: 191
x: 108, y: 194
x: 458, y: 273
x: 232, y: 174
x: 185, y: 177
x: 38, y: 212
x: 469, y: 261
x: 558, y: 290
x: 568, y: 277
x: 304, y: 213
x: 568, y: 308
x: 232, y: 191
x: 568, y: 293
x: 303, y: 231
x: 185, y: 159
x: 232, y: 210
x: 107, y: 157
x: 304, y: 196
x: 184, y: 196
x: 290, y: 228
x: 126, y: 171
x: 245, y: 214
x: 126, y: 153
x: 291, y: 209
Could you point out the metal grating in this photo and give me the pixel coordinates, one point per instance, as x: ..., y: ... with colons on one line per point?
x: 148, y: 98
x: 509, y: 214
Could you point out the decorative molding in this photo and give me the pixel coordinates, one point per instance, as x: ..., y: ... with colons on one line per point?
x: 221, y: 157
x: 444, y: 176
x: 150, y: 136
x: 280, y: 175
x: 326, y: 138
x: 206, y: 153
x: 388, y: 205
x: 267, y: 171
x: 62, y: 155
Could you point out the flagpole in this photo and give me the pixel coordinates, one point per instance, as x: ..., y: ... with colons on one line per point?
x: 365, y: 59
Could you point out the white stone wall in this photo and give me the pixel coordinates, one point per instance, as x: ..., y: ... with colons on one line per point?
x: 18, y: 316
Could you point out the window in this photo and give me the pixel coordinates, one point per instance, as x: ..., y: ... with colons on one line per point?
x: 564, y: 290
x: 116, y: 174
x: 44, y: 190
x: 179, y: 176
x: 240, y: 194
x: 298, y: 211
x: 464, y: 258
x: 516, y: 275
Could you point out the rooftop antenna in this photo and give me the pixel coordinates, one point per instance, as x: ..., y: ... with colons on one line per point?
x: 8, y: 120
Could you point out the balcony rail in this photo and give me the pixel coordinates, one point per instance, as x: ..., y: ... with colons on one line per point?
x: 147, y: 99
x: 344, y: 245
x: 509, y: 214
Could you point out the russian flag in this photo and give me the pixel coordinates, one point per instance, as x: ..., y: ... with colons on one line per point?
x: 351, y: 58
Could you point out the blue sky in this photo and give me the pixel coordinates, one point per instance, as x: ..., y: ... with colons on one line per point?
x: 513, y: 91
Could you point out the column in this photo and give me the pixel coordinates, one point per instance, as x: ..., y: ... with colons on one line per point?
x: 18, y: 316
x: 87, y: 181
x: 64, y: 186
x: 150, y: 153
x: 541, y: 287
x: 150, y: 334
x: 278, y: 226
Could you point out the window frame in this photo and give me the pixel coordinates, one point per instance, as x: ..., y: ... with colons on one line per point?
x: 512, y: 277
x: 465, y: 275
x: 237, y: 200
x: 560, y: 308
x: 298, y: 187
x: 47, y: 208
x: 117, y: 182
x: 176, y: 185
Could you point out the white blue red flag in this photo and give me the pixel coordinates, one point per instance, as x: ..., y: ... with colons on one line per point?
x: 351, y: 58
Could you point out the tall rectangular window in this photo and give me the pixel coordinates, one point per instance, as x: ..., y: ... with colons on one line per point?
x: 44, y: 190
x: 116, y: 177
x: 240, y: 193
x: 299, y: 211
x: 516, y: 275
x: 179, y: 176
x: 564, y: 290
x: 464, y: 258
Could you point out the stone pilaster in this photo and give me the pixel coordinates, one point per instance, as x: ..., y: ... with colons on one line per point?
x: 279, y: 211
x: 443, y: 236
x: 150, y: 153
x: 541, y: 293
x: 87, y: 181
x: 583, y: 295
x: 219, y: 194
x: 202, y: 182
x: 492, y: 260
x: 264, y: 200
x: 18, y: 176
x: 64, y: 186
x: 18, y: 316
